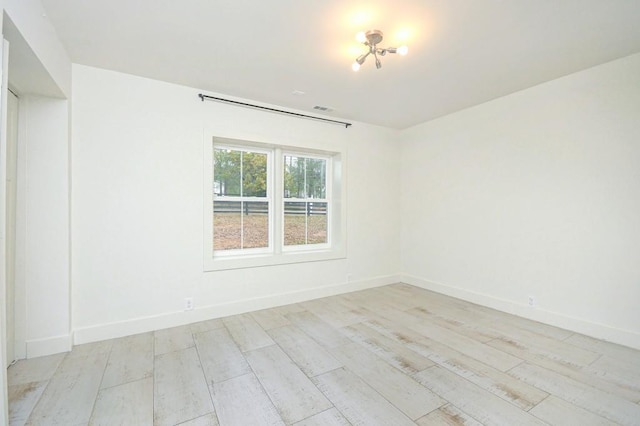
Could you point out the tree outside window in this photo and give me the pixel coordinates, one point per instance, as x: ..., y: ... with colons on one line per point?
x: 305, y: 200
x: 240, y: 206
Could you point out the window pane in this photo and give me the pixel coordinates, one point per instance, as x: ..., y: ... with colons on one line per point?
x: 227, y: 225
x: 226, y: 172
x: 316, y: 177
x: 255, y: 224
x: 294, y: 177
x: 317, y: 223
x: 254, y: 174
x: 295, y: 223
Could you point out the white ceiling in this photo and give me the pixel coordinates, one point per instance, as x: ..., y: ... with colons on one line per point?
x: 461, y: 52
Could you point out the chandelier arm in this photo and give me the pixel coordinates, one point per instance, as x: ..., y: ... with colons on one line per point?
x: 378, y: 63
x: 362, y: 58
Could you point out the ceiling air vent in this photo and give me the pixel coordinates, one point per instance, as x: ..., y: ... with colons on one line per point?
x: 323, y: 108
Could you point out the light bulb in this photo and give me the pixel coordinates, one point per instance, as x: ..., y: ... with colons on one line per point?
x: 361, y: 37
x: 355, y: 66
x: 402, y: 50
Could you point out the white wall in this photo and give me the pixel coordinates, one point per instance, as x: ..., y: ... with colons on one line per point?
x: 536, y: 193
x: 42, y: 226
x: 47, y: 201
x: 42, y: 305
x: 137, y: 233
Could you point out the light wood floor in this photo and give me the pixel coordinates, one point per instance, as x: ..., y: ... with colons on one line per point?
x: 395, y: 355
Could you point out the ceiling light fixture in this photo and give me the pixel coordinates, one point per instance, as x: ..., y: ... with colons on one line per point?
x: 371, y: 39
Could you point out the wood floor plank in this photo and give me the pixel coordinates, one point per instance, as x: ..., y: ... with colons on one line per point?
x: 220, y: 356
x: 555, y: 411
x: 246, y: 332
x: 618, y: 373
x: 520, y: 394
x: 357, y: 401
x: 448, y: 415
x: 318, y: 330
x: 69, y: 397
x: 626, y: 355
x: 391, y: 313
x: 243, y: 401
x: 270, y: 318
x: 373, y: 300
x: 180, y: 389
x: 334, y: 313
x: 393, y: 352
x: 394, y: 331
x: 495, y: 381
x: 583, y: 374
x: 591, y: 399
x: 129, y: 403
x: 480, y: 351
x: 131, y: 359
x: 470, y: 330
x: 413, y: 399
x: 545, y: 346
x: 428, y: 348
x: 32, y: 370
x: 289, y: 309
x: 312, y: 358
x: 482, y: 405
x: 208, y: 325
x: 293, y: 394
x: 394, y: 299
x: 457, y: 315
x: 22, y: 398
x: 331, y: 417
x: 207, y: 420
x: 432, y: 299
x: 483, y: 317
x: 172, y: 339
x: 523, y: 324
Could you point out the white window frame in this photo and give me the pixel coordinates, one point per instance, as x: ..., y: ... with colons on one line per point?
x: 278, y: 254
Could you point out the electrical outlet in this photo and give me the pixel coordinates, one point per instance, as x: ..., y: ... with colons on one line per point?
x: 532, y: 301
x: 349, y: 277
x: 188, y: 303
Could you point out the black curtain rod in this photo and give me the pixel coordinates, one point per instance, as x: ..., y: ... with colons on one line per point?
x: 311, y: 117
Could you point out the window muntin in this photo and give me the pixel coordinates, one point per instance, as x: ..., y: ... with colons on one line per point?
x: 241, y: 203
x: 306, y: 204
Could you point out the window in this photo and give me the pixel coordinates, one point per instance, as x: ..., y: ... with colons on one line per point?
x: 241, y: 202
x: 305, y: 200
x: 268, y: 204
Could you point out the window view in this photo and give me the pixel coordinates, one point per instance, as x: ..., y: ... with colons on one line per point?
x: 240, y: 199
x: 305, y: 200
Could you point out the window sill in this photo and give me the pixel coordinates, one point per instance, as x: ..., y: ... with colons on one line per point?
x: 258, y: 260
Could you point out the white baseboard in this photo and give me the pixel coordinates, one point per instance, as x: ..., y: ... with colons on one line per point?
x: 599, y: 331
x: 174, y: 319
x: 49, y: 346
